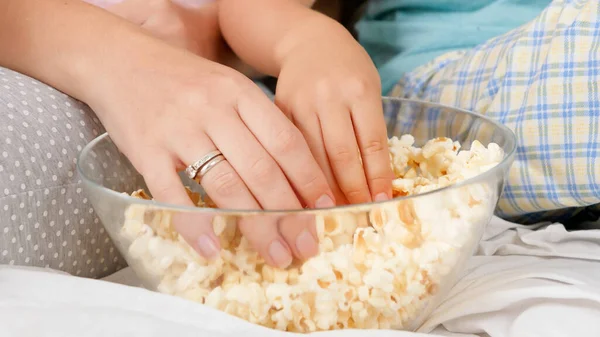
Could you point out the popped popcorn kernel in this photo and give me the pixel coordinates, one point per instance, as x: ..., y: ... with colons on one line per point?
x: 378, y: 268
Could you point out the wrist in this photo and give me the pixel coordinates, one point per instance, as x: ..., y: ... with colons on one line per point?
x: 69, y: 45
x: 97, y: 60
x: 311, y: 36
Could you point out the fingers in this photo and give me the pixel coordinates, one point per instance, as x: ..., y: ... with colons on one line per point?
x: 165, y: 186
x: 343, y: 153
x: 270, y: 187
x: 262, y: 234
x: 309, y: 125
x: 371, y: 132
x: 286, y: 145
x: 301, y: 233
x: 277, y: 238
x: 253, y: 163
x: 228, y: 190
x: 252, y: 179
x: 222, y: 183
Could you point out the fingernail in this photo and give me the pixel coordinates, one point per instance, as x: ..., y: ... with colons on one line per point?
x: 279, y: 254
x: 324, y: 201
x: 208, y: 247
x: 307, y: 245
x: 382, y: 197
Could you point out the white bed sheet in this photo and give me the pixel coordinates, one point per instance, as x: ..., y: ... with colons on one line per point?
x: 522, y: 282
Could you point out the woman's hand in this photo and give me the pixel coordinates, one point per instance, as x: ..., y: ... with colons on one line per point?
x: 330, y: 89
x: 165, y: 108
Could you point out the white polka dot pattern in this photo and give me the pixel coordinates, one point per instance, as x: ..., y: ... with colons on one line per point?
x: 46, y: 220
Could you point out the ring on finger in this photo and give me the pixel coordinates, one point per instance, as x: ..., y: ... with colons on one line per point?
x: 209, y: 165
x: 193, y: 170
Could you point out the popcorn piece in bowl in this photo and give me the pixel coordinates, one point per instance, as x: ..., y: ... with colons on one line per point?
x: 379, y: 266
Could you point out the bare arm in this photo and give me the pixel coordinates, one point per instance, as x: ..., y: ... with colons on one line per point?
x: 147, y: 93
x: 262, y: 32
x: 63, y: 42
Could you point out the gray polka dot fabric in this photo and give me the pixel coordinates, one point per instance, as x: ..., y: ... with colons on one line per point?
x: 46, y: 220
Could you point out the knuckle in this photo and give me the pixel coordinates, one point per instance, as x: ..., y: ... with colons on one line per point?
x: 286, y: 140
x: 312, y: 181
x: 373, y: 147
x: 357, y: 87
x: 313, y: 185
x: 263, y: 170
x: 226, y: 80
x: 193, y: 95
x: 324, y: 90
x: 381, y: 180
x: 342, y: 155
x: 355, y: 193
x: 200, y: 93
x: 225, y: 182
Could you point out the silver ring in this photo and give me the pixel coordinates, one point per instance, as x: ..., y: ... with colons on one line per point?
x: 192, y: 170
x: 211, y: 163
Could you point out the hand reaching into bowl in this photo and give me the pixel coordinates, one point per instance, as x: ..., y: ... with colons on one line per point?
x: 331, y: 90
x: 327, y: 86
x: 166, y: 108
x: 171, y: 108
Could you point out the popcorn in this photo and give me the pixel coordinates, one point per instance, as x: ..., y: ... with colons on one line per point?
x: 379, y: 267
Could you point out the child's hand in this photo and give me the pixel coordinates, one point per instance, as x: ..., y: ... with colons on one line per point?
x: 330, y: 89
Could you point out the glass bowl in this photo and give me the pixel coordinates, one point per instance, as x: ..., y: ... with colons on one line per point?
x: 381, y: 265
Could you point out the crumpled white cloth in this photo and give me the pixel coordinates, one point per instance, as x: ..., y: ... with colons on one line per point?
x: 523, y: 281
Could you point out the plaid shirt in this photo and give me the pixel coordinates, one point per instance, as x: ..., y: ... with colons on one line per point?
x: 542, y: 81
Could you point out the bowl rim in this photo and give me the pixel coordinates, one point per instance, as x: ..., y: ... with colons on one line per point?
x: 502, y: 165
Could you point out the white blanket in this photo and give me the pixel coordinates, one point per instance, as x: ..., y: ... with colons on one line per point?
x: 523, y: 282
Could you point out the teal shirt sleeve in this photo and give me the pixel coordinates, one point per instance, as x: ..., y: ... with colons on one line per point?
x: 401, y: 35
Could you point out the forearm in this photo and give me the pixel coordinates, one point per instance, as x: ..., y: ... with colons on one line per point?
x: 263, y: 32
x: 62, y: 42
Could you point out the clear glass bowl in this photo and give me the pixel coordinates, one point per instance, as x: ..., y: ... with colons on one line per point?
x: 381, y: 265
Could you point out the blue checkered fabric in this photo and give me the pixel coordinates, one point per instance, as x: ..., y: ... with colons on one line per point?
x: 540, y: 80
